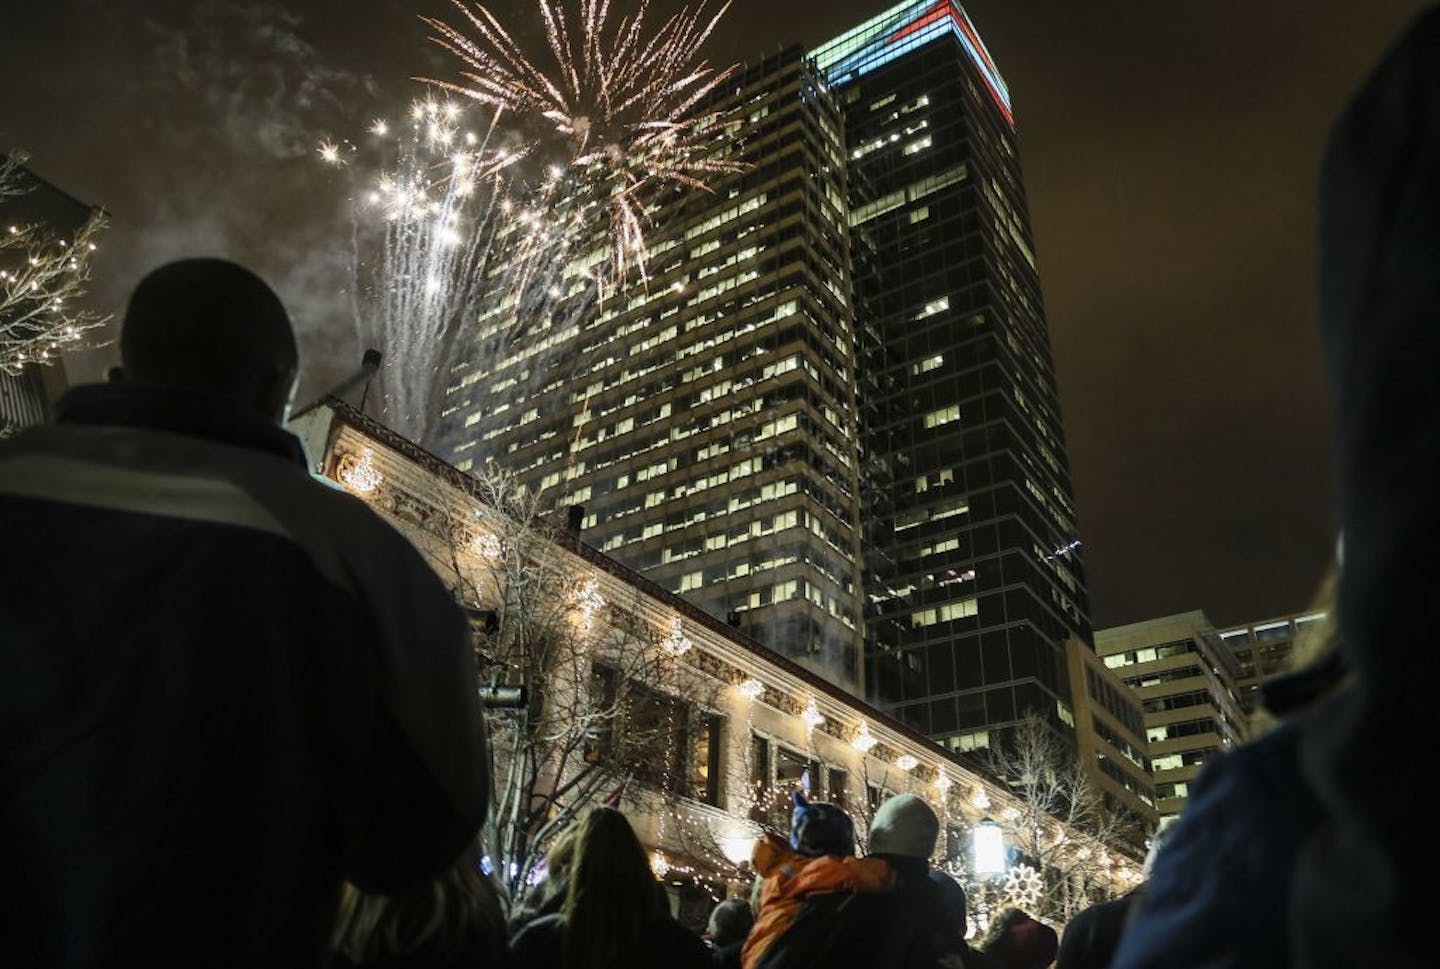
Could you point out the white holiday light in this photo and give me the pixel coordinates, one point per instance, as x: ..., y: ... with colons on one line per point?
x: 750, y: 689
x: 676, y: 643
x: 864, y: 739
x: 812, y: 715
x: 589, y: 601
x: 361, y: 475
x: 907, y: 762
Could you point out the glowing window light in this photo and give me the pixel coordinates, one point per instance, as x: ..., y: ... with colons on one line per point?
x: 360, y: 474
x: 988, y: 842
x: 864, y: 739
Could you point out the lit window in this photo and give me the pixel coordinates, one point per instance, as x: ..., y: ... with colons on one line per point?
x: 943, y: 416
x: 918, y: 145
x: 949, y: 612
x: 927, y: 365
x: 920, y: 214
x: 933, y: 307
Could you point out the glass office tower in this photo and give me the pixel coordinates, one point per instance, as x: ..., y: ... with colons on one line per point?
x: 973, y: 573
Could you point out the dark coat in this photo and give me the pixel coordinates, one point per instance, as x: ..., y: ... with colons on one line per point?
x: 1220, y: 888
x: 663, y: 944
x: 1092, y: 938
x: 224, y: 688
x: 1369, y: 753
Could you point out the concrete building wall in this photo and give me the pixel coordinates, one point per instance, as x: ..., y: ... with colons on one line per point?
x: 1185, y: 679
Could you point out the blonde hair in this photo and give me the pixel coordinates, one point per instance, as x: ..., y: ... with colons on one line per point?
x: 451, y: 918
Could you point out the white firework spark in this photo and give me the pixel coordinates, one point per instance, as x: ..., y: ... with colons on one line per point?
x: 434, y: 235
x: 623, y: 115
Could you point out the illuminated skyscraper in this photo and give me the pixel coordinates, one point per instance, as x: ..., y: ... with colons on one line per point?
x: 706, y: 421
x: 733, y: 433
x: 973, y: 573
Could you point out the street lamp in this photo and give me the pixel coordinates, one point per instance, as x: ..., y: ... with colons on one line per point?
x: 988, y: 842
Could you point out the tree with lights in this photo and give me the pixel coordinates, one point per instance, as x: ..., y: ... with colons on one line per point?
x: 1055, y: 797
x: 43, y: 277
x: 607, y: 708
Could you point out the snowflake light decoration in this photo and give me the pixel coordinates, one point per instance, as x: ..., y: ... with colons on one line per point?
x: 750, y: 689
x: 360, y: 474
x: 907, y: 762
x: 1023, y: 885
x: 812, y: 715
x: 676, y: 643
x: 488, y: 547
x: 864, y: 739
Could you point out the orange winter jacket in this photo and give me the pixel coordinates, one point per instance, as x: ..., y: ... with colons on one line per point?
x: 791, y: 878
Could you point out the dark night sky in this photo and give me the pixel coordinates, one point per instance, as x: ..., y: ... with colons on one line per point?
x: 1170, y: 153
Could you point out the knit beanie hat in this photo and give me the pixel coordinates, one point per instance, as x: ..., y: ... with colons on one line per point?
x: 906, y: 826
x: 820, y: 829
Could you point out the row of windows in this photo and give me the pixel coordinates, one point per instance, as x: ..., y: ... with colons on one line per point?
x: 1119, y: 704
x: 1125, y: 779
x: 1179, y: 701
x: 1150, y: 654
x: 1185, y: 728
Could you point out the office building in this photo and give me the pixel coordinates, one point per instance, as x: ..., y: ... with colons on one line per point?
x: 1186, y: 679
x: 843, y: 348
x: 973, y: 569
x: 1263, y: 649
x: 706, y: 421
x: 1110, y: 736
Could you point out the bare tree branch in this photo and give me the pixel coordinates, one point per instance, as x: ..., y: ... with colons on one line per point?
x: 43, y: 278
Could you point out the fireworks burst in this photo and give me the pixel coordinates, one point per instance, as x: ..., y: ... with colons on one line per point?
x: 627, y: 112
x: 434, y: 235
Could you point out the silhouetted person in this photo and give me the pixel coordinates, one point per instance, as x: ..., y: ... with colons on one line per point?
x: 614, y: 915
x: 453, y: 922
x: 224, y: 686
x: 1368, y: 751
x: 1092, y: 937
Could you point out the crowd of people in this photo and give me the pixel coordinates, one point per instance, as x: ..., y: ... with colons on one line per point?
x: 238, y: 723
x: 814, y: 903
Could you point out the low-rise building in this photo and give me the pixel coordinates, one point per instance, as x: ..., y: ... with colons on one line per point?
x: 1263, y: 649
x: 1110, y: 735
x: 1185, y: 679
x: 754, y: 724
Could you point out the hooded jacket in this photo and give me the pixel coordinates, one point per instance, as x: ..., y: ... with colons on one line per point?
x: 791, y: 878
x: 224, y: 687
x: 1368, y: 753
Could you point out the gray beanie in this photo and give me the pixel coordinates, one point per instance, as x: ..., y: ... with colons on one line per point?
x: 906, y: 826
